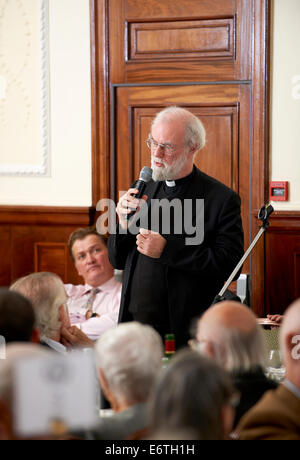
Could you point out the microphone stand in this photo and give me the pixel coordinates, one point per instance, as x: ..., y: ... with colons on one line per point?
x: 263, y: 215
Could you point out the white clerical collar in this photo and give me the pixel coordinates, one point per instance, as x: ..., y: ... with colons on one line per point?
x: 170, y: 183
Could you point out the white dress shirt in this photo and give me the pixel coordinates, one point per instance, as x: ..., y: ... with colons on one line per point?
x: 56, y: 346
x: 106, y: 305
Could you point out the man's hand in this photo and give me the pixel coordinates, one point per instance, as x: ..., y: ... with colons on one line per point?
x: 89, y: 314
x: 126, y: 205
x: 150, y: 243
x: 277, y: 318
x: 73, y: 337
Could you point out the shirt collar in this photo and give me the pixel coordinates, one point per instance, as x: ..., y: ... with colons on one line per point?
x: 170, y: 183
x: 182, y: 181
x: 107, y: 286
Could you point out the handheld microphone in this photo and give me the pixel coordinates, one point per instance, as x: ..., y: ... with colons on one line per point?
x: 145, y: 176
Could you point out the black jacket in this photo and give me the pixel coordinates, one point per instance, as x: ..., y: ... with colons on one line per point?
x: 195, y: 274
x: 251, y: 385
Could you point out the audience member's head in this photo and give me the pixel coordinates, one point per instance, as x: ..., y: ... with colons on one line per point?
x: 193, y: 394
x: 48, y: 297
x: 129, y: 359
x: 290, y: 342
x: 89, y: 253
x: 17, y: 319
x: 229, y: 333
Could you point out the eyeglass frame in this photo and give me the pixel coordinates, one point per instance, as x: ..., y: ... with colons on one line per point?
x: 150, y: 141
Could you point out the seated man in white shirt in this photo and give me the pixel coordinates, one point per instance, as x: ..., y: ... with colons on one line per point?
x: 93, y: 306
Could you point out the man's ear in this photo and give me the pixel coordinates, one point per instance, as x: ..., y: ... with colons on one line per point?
x: 104, y: 384
x: 106, y: 390
x: 35, y: 336
x: 193, y: 149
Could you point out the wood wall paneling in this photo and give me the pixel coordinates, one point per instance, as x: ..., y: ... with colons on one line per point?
x: 260, y: 143
x: 51, y: 257
x: 197, y: 40
x: 220, y: 157
x: 35, y: 238
x: 224, y: 111
x: 201, y: 40
x: 282, y: 277
x: 5, y: 255
x: 100, y: 116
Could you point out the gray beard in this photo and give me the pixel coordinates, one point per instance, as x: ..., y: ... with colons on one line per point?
x: 168, y: 172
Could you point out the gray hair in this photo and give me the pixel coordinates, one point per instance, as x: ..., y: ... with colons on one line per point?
x: 130, y: 357
x: 47, y: 293
x: 237, y: 351
x: 191, y: 394
x: 194, y: 130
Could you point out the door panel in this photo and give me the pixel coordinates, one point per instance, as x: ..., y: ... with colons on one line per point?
x: 224, y: 112
x: 210, y: 56
x: 175, y: 40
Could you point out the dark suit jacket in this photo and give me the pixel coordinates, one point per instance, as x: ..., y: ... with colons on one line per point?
x: 194, y: 274
x: 123, y: 424
x: 252, y: 385
x: 275, y: 417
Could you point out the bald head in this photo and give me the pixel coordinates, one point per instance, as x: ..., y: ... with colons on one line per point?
x: 194, y: 130
x: 229, y: 333
x: 230, y: 315
x: 290, y: 330
x: 291, y: 321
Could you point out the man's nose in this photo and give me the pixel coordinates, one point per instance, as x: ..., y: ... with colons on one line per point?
x: 159, y: 152
x: 90, y: 258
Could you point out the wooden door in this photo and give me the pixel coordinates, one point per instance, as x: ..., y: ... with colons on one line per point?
x: 208, y: 56
x: 221, y: 109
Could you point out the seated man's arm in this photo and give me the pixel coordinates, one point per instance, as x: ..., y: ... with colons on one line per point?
x: 104, y: 320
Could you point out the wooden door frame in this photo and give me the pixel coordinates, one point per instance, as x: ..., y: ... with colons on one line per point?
x: 103, y: 119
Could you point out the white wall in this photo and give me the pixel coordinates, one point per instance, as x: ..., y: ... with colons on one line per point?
x: 285, y: 133
x: 69, y: 183
x: 70, y: 115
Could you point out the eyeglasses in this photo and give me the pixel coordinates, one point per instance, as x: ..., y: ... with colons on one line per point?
x: 168, y: 149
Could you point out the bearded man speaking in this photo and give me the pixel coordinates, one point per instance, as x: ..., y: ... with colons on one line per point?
x: 171, y: 276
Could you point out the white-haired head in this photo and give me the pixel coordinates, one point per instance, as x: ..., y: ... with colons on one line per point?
x: 46, y: 293
x: 194, y: 130
x: 130, y: 358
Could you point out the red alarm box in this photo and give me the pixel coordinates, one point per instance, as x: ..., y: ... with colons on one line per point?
x: 279, y: 191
